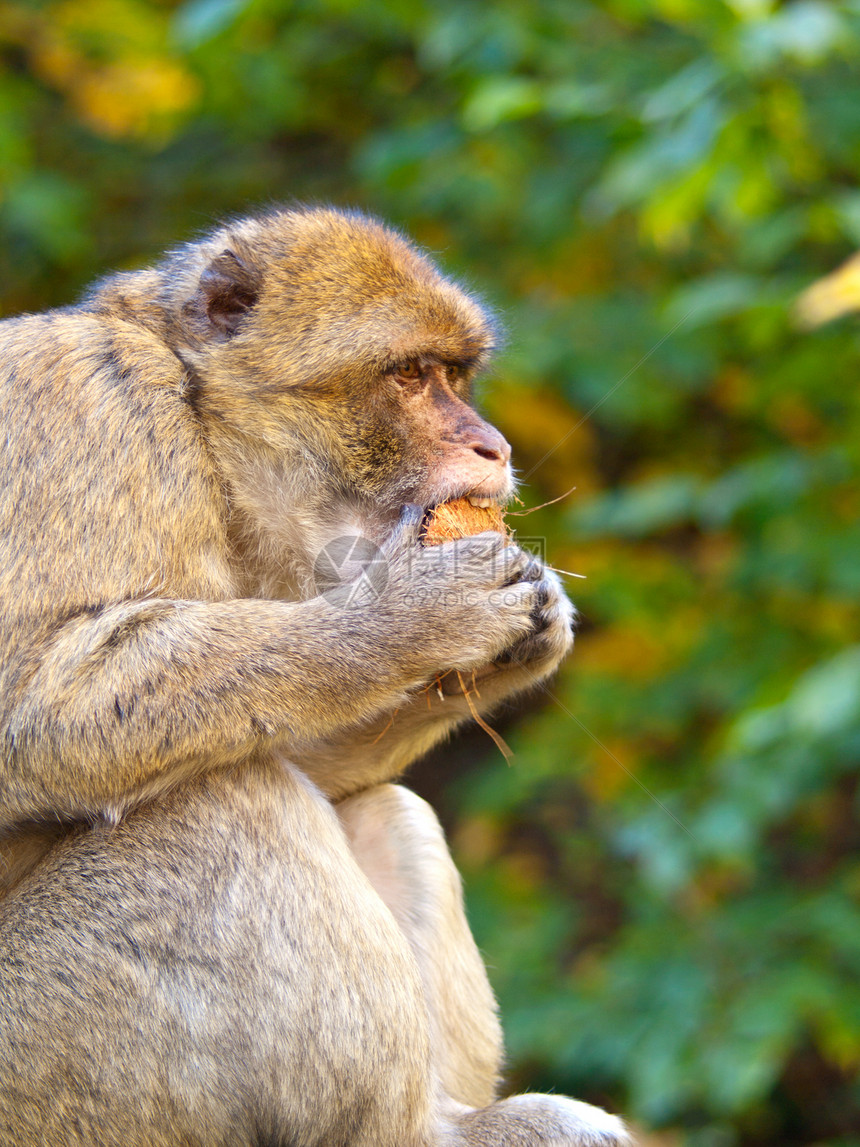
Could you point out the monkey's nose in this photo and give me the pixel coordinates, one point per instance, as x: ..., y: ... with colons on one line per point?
x: 488, y: 443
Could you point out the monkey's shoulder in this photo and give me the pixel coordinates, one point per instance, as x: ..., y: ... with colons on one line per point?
x: 77, y: 387
x: 103, y: 460
x: 71, y: 350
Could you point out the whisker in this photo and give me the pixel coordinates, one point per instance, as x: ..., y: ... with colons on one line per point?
x: 567, y: 573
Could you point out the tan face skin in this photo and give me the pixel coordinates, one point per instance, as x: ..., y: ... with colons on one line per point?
x: 466, y: 456
x: 414, y: 438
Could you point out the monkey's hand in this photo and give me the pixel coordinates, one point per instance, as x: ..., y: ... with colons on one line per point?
x: 553, y: 618
x: 538, y: 651
x: 490, y: 621
x: 469, y: 602
x: 532, y: 658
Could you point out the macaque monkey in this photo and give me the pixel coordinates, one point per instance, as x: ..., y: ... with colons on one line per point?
x: 222, y: 923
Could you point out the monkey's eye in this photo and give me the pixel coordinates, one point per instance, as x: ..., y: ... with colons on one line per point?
x: 452, y: 371
x: 409, y: 371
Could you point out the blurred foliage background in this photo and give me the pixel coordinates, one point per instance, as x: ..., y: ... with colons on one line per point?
x: 666, y: 880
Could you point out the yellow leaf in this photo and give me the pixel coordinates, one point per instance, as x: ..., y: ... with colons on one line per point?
x: 835, y: 295
x: 796, y: 420
x: 477, y: 841
x: 608, y: 769
x: 135, y: 98
x: 620, y: 651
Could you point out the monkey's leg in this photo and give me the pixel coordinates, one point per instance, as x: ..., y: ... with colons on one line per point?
x: 399, y: 844
x: 218, y: 970
x: 214, y: 970
x: 536, y: 1121
x: 23, y: 851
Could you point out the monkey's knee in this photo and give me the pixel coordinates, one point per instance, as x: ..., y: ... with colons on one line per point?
x: 398, y: 842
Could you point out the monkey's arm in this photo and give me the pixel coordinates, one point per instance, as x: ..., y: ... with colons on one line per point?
x: 110, y: 694
x: 119, y: 704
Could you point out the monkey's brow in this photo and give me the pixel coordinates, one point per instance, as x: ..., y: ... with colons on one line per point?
x: 466, y: 363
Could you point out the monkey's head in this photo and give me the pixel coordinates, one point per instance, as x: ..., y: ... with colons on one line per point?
x: 334, y: 363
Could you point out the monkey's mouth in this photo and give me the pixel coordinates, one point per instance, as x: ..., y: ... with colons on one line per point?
x: 482, y: 503
x: 472, y: 499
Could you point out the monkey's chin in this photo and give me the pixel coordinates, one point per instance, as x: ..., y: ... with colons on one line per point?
x: 478, y: 499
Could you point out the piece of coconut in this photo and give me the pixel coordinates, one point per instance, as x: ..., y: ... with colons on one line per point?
x: 460, y: 519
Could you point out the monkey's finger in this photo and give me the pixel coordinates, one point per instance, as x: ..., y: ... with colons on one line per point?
x: 486, y: 556
x: 520, y: 566
x: 507, y: 565
x: 543, y: 597
x: 411, y: 515
x: 534, y: 571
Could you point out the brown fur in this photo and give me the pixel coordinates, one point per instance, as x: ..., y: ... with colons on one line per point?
x: 196, y: 945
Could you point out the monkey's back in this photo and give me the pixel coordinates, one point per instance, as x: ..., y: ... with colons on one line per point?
x: 107, y: 491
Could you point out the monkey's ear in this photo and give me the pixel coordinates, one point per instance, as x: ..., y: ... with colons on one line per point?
x: 228, y: 290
